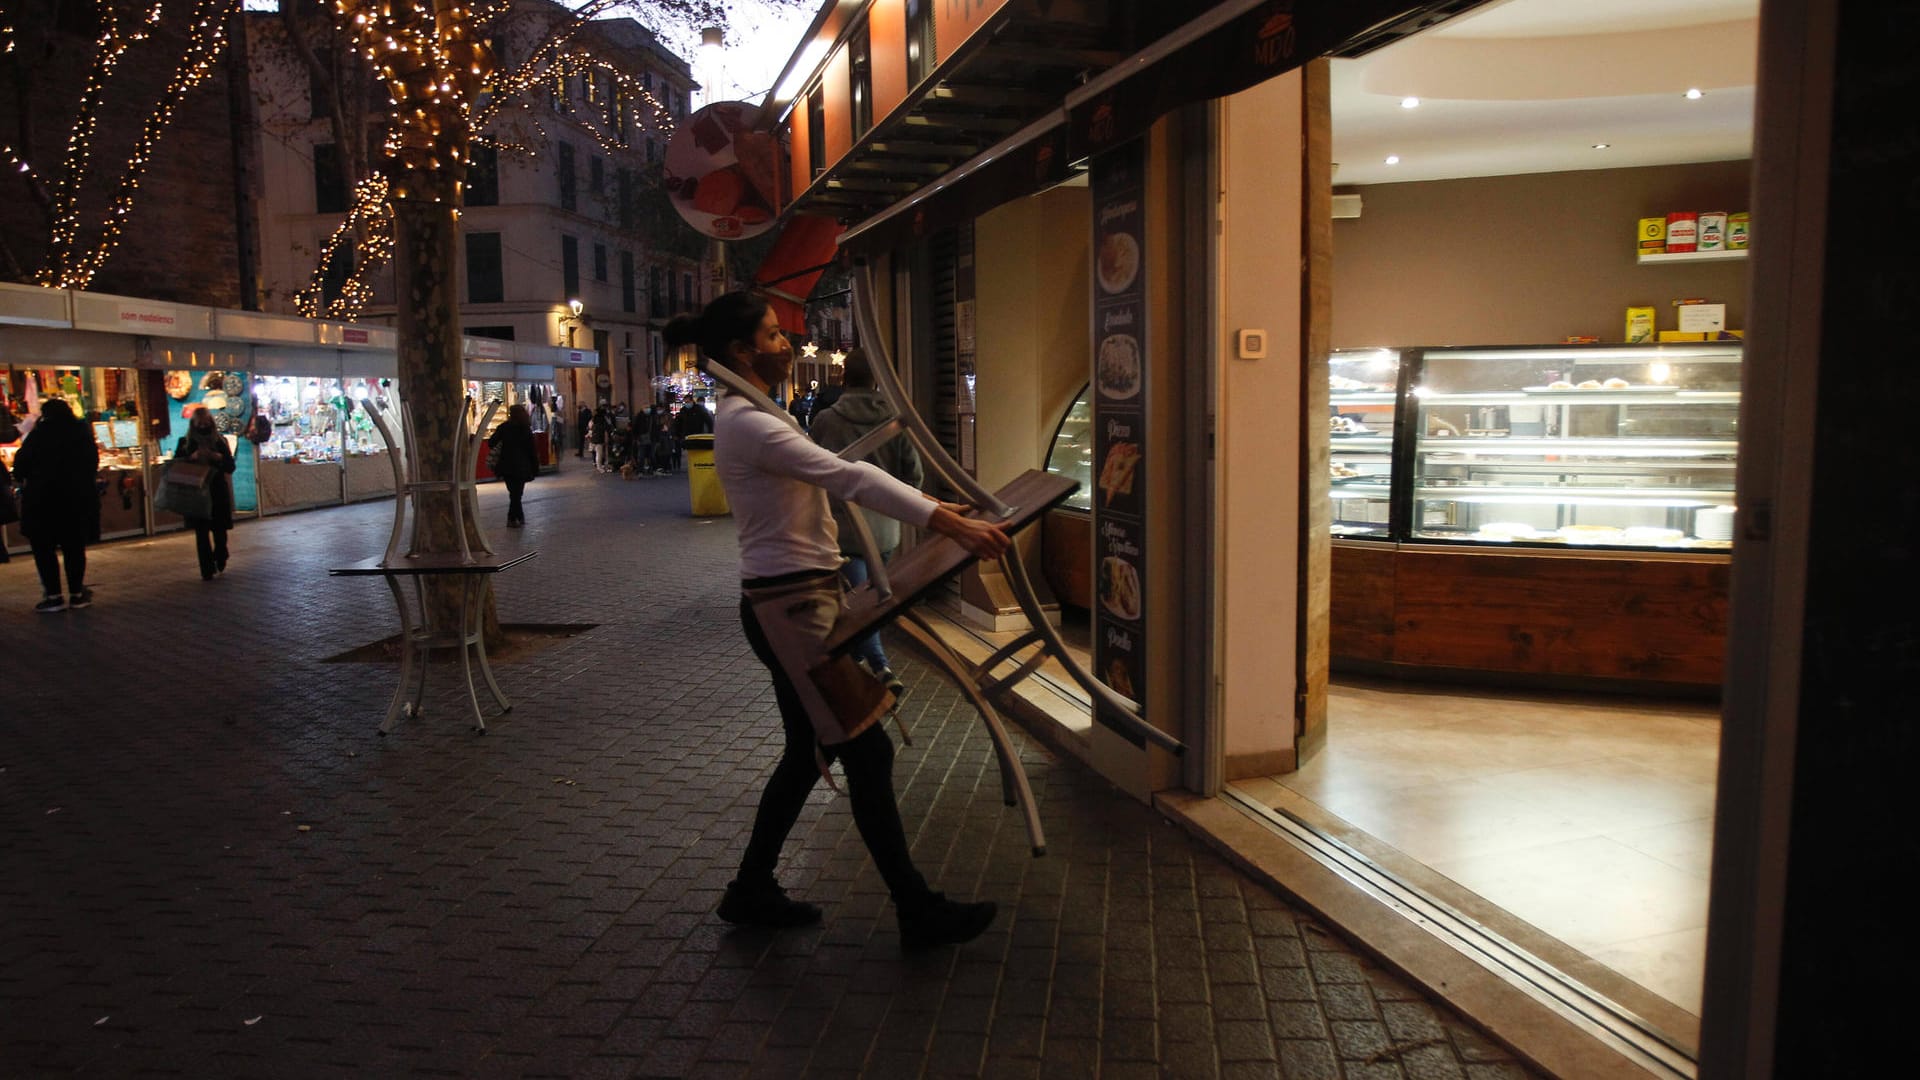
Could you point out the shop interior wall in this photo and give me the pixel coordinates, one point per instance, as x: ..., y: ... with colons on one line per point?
x: 1258, y: 422
x: 1033, y: 326
x: 1523, y: 260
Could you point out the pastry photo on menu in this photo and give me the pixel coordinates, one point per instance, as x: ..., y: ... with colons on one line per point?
x: 1119, y: 588
x: 1118, y: 262
x: 1118, y: 366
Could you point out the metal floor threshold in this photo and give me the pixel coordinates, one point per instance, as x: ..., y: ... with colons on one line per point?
x: 1620, y: 1028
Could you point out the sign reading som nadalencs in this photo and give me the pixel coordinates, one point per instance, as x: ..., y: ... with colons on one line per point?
x: 722, y: 175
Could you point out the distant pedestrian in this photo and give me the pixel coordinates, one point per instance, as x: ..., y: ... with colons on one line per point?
x: 659, y: 420
x: 517, y: 462
x: 692, y: 419
x: 556, y: 432
x: 585, y: 421
x: 802, y: 406
x: 58, y: 471
x: 204, y: 445
x: 789, y: 560
x: 859, y: 409
x: 9, y: 509
x: 600, y: 433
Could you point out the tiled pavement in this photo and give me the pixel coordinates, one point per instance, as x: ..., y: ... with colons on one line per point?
x: 212, y: 867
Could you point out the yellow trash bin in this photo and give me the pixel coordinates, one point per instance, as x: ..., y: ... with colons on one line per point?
x: 703, y: 483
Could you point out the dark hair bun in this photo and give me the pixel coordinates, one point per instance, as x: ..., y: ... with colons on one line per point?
x: 683, y: 330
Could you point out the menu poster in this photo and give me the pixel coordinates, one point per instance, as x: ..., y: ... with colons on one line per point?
x: 1120, y: 425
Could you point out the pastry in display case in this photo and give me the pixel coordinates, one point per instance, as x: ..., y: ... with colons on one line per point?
x: 1363, y: 386
x: 1614, y: 447
x: 1071, y: 453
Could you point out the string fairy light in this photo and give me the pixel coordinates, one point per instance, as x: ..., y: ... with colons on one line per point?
x: 76, y: 252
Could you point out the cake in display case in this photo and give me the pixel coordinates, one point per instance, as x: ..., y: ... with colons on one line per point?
x: 1613, y: 447
x: 1071, y: 454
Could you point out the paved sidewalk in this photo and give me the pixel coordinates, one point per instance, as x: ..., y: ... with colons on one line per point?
x: 214, y: 868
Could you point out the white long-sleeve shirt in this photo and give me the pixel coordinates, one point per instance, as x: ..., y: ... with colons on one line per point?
x: 777, y: 481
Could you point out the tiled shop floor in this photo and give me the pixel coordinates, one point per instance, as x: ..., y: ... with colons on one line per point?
x: 213, y: 867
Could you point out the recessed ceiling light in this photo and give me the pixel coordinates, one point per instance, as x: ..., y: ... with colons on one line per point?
x: 1409, y: 102
x: 1694, y: 93
x: 1601, y: 145
x: 1393, y: 159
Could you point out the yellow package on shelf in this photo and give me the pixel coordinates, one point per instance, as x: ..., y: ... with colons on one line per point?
x: 1680, y: 335
x: 1639, y: 325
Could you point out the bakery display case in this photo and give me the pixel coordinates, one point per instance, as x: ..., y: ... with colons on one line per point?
x: 1560, y: 514
x: 1071, y: 452
x: 1617, y: 447
x: 1363, y: 394
x: 1067, y: 533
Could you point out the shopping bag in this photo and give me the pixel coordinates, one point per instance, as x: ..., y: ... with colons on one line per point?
x: 183, y: 490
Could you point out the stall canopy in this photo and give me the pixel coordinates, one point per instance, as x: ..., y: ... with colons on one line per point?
x: 1042, y: 87
x: 803, y: 251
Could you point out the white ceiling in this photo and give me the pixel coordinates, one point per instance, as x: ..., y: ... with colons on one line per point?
x: 1522, y: 86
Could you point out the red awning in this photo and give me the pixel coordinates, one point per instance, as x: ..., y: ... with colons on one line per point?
x: 806, y: 247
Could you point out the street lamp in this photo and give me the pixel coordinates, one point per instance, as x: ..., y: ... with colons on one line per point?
x: 712, y: 38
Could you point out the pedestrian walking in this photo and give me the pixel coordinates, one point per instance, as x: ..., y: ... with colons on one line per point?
x: 600, y: 431
x: 802, y: 405
x: 517, y: 463
x: 774, y: 477
x: 585, y: 422
x: 692, y: 419
x: 856, y: 410
x: 58, y: 470
x: 204, y: 445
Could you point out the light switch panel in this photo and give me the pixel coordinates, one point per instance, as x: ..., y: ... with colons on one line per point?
x: 1253, y: 344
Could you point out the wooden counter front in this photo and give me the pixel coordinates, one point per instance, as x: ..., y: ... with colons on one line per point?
x: 1586, y: 615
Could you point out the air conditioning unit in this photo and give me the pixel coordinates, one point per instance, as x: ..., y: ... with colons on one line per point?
x: 1346, y: 207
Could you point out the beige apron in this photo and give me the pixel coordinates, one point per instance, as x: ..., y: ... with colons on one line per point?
x: 841, y: 698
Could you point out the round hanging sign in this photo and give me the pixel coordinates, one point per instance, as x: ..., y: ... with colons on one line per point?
x: 721, y: 174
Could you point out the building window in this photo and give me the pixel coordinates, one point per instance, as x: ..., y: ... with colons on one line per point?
x: 673, y: 293
x: 570, y: 266
x: 919, y: 41
x: 329, y: 180
x: 498, y: 333
x: 656, y: 292
x: 483, y: 177
x: 860, y: 66
x: 596, y: 174
x: 320, y: 87
x: 569, y: 197
x: 628, y: 301
x: 623, y: 191
x: 651, y: 156
x: 484, y: 284
x: 817, y: 132
x: 599, y: 262
x: 686, y: 290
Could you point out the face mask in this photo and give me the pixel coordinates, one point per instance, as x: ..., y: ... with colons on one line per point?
x: 771, y: 367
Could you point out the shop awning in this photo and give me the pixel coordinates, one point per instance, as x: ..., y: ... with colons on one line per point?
x: 806, y: 247
x: 1141, y: 70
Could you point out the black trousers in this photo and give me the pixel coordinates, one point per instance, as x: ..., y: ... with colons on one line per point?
x: 47, y: 552
x: 868, y: 761
x: 515, y: 488
x: 211, y: 545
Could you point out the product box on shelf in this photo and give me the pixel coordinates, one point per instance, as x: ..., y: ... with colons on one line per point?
x: 1652, y: 236
x: 1639, y: 325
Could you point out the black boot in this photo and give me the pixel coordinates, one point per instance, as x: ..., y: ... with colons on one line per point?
x: 765, y: 904
x: 940, y: 921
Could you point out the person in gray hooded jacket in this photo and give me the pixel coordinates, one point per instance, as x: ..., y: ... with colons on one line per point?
x: 859, y: 409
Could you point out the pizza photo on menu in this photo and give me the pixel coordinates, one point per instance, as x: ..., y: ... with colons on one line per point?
x: 722, y: 175
x: 1118, y: 471
x: 1117, y: 262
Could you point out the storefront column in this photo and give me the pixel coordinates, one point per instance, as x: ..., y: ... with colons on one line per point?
x: 1260, y: 591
